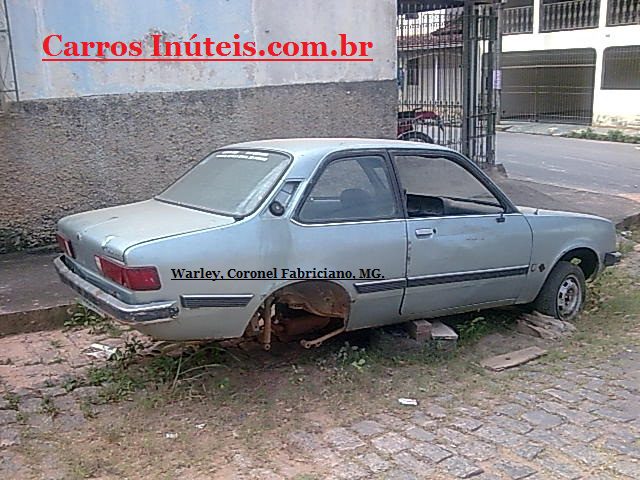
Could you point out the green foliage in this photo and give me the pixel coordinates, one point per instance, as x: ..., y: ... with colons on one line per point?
x: 352, y: 356
x: 611, y: 136
x: 81, y: 317
x: 127, y: 370
x: 471, y: 331
x: 48, y: 407
x: 13, y: 401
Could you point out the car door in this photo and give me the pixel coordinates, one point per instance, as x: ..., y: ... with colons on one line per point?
x: 468, y: 246
x: 350, y: 218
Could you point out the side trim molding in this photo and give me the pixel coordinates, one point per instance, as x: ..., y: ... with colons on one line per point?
x: 380, y: 285
x: 202, y: 301
x: 467, y: 276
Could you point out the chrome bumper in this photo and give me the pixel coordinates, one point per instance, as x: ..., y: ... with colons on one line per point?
x: 109, y: 305
x: 611, y: 258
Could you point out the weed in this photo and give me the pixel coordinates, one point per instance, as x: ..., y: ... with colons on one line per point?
x: 126, y: 354
x: 48, y: 383
x: 81, y: 317
x: 611, y: 136
x: 86, y: 407
x: 22, y: 417
x: 55, y: 343
x: 471, y: 331
x: 48, y: 407
x: 352, y: 355
x: 13, y: 401
x: 71, y: 384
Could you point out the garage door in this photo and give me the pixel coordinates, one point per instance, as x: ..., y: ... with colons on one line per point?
x: 548, y: 85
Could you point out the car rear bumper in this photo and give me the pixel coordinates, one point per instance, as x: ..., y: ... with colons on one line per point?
x: 611, y: 258
x: 106, y: 304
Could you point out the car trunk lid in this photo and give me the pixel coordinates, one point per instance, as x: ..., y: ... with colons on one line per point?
x: 111, y: 231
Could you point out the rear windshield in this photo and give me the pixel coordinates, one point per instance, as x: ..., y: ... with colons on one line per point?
x: 229, y: 182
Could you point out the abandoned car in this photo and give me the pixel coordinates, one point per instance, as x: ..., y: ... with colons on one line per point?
x: 306, y: 238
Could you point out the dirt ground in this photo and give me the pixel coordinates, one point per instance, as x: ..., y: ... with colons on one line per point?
x: 225, y: 412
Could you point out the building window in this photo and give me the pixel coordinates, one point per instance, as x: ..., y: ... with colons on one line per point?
x: 413, y: 71
x: 621, y: 68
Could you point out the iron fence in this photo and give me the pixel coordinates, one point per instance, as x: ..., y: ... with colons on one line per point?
x: 8, y: 80
x: 446, y: 52
x: 517, y: 20
x: 623, y: 12
x: 569, y: 15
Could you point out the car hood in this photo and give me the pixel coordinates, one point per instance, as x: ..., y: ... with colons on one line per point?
x: 541, y: 212
x: 110, y: 231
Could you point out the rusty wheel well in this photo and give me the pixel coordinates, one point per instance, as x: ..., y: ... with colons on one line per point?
x: 319, y: 297
x: 585, y: 258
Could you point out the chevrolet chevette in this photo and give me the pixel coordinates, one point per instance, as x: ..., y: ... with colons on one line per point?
x: 302, y: 239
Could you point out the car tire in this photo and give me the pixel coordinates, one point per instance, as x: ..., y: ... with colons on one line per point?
x: 563, y: 293
x: 414, y: 136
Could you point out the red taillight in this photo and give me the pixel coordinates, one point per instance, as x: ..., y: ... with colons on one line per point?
x: 65, y: 245
x: 134, y: 278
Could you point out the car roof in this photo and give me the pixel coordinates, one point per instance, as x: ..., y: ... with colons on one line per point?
x: 323, y: 146
x: 307, y: 152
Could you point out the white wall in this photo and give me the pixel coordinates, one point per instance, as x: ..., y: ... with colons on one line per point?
x: 261, y: 21
x: 610, y: 107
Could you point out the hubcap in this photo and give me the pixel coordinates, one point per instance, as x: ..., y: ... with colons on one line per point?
x: 569, y: 297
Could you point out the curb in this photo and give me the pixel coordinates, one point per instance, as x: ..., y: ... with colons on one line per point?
x: 36, y: 320
x: 630, y: 221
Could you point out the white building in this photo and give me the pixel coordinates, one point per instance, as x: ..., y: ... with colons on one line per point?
x: 575, y: 61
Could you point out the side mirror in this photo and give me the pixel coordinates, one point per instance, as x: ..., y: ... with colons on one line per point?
x: 276, y: 208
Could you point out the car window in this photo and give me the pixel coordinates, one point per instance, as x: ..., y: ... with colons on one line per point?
x: 229, y: 182
x: 355, y: 188
x: 438, y: 186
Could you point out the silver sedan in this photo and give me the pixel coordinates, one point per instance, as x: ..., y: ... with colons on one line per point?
x: 306, y: 238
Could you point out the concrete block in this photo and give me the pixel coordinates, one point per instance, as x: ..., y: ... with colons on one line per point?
x: 443, y: 336
x: 419, y: 330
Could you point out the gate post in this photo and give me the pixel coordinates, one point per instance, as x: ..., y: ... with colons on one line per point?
x: 468, y: 76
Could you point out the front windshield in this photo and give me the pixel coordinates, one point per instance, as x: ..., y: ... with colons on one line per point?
x: 229, y: 182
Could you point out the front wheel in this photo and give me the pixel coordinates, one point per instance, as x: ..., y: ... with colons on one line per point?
x: 563, y: 293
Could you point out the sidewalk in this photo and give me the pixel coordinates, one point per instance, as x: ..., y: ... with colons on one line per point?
x: 32, y: 298
x: 558, y: 129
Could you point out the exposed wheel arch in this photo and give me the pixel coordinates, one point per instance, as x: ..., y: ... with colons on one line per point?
x: 583, y: 257
x: 320, y: 297
x: 301, y: 308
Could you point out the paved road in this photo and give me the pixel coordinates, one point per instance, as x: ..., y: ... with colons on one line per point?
x: 581, y: 422
x: 603, y: 167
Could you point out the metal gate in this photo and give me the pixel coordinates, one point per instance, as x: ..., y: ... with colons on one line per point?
x: 548, y: 85
x: 446, y: 58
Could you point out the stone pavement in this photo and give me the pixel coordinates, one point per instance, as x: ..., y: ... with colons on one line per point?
x: 581, y: 423
x: 570, y: 420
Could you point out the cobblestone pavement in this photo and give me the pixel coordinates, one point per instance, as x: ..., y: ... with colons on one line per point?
x: 573, y: 421
x: 36, y: 375
x: 583, y: 422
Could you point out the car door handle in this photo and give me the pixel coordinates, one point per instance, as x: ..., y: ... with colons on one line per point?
x: 425, y: 232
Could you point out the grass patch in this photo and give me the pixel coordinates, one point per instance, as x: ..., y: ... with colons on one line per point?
x: 610, y: 136
x: 83, y: 317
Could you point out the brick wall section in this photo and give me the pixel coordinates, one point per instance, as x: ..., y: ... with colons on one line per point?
x: 63, y: 156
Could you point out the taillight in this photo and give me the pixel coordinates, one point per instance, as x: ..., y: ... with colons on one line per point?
x: 133, y: 278
x: 65, y: 245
